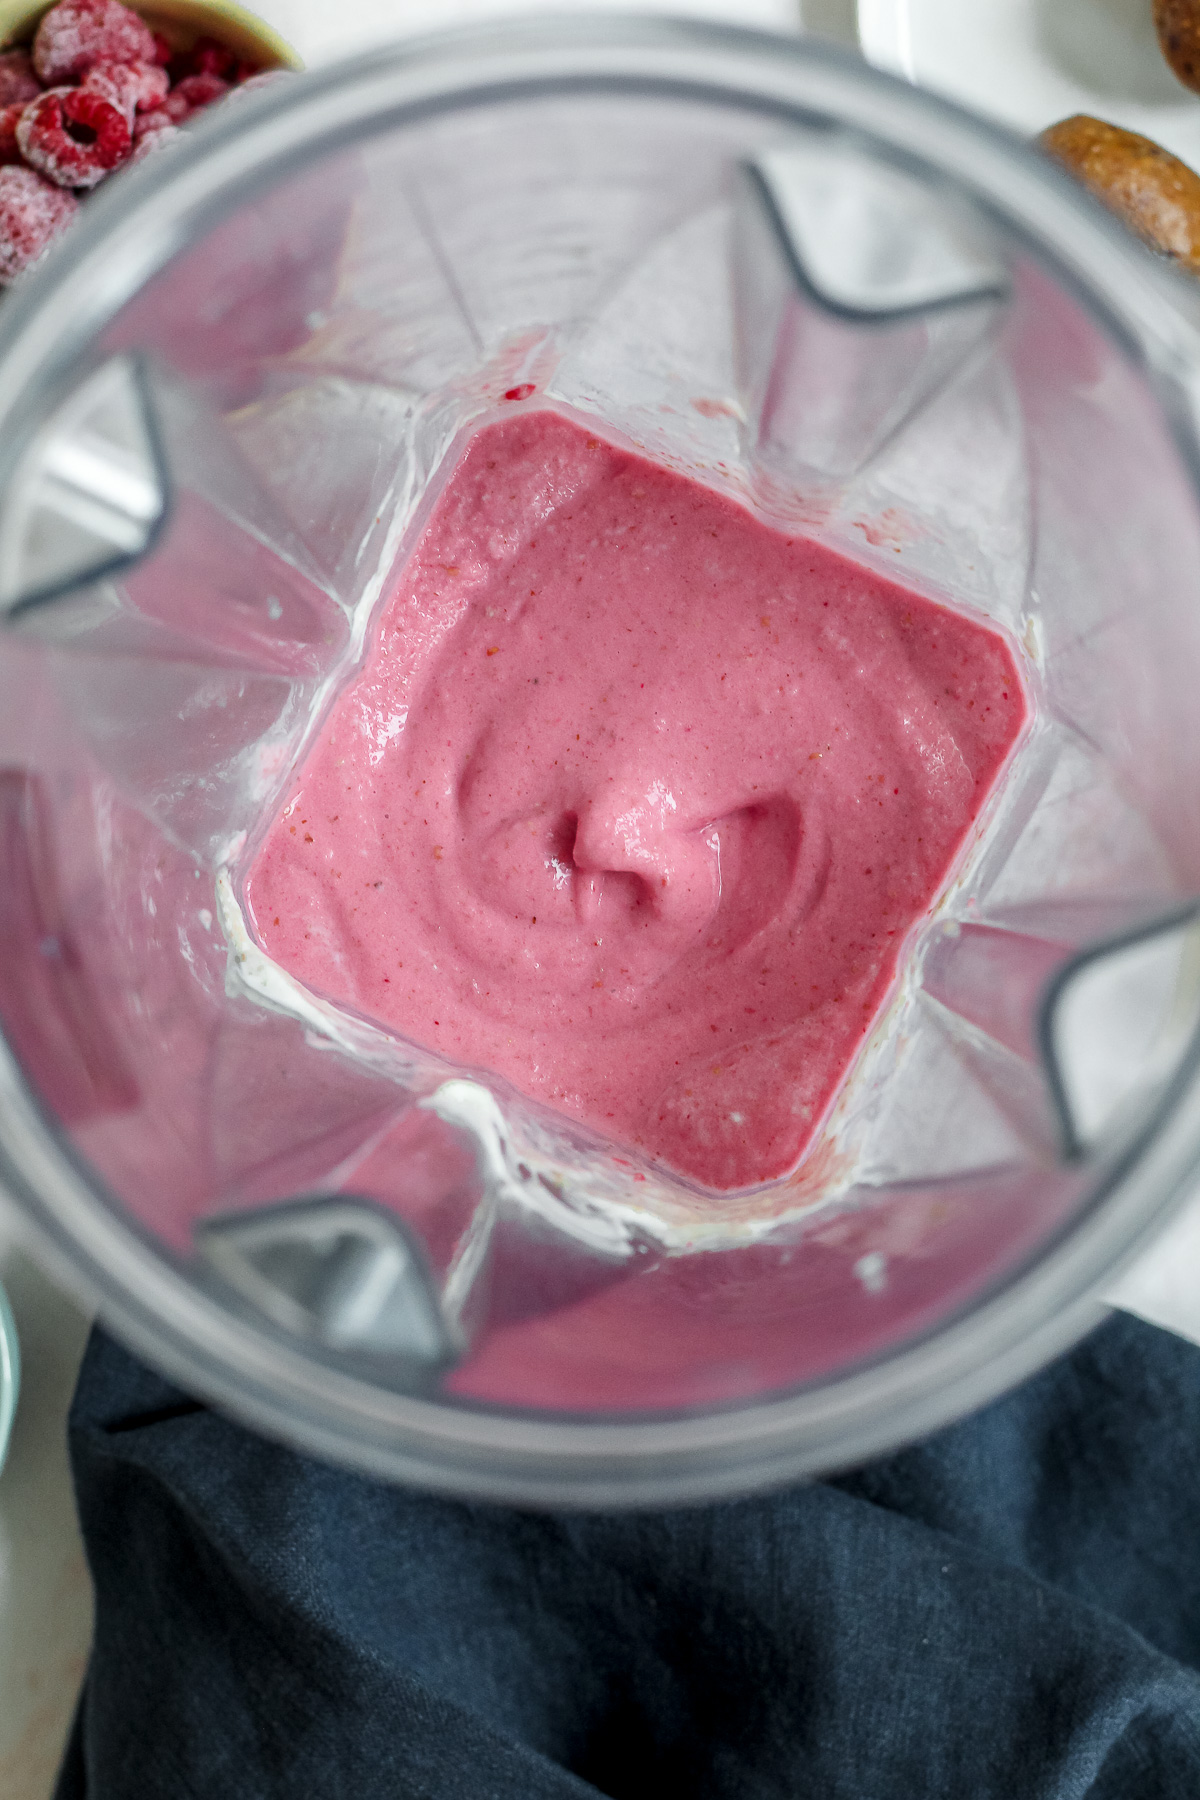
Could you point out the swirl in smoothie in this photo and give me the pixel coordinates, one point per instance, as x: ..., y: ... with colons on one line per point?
x: 635, y: 800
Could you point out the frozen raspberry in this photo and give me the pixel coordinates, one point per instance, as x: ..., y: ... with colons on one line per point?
x: 155, y: 85
x: 9, y: 149
x: 163, y: 51
x: 149, y: 123
x: 133, y: 87
x: 75, y: 35
x: 73, y: 136
x: 196, y: 91
x: 210, y: 58
x: 151, y: 141
x: 32, y: 213
x: 17, y: 79
x: 192, y: 94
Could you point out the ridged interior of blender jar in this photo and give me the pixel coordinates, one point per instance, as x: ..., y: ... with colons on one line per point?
x: 843, y: 347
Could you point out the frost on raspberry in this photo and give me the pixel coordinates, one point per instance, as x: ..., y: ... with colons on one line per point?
x: 132, y: 87
x: 148, y: 142
x: 17, y: 79
x: 32, y: 213
x: 191, y: 94
x: 150, y: 123
x: 73, y: 136
x: 75, y: 35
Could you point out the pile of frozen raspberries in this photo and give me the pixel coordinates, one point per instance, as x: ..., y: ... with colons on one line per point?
x: 96, y: 90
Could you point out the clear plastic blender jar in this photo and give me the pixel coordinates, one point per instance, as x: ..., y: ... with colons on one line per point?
x: 224, y: 404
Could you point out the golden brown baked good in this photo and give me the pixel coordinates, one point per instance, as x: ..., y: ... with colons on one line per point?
x: 1156, y: 195
x: 1178, y: 25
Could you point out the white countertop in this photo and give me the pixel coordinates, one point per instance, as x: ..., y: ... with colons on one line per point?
x: 322, y: 33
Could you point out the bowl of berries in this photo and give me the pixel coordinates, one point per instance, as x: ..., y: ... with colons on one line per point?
x: 88, y: 87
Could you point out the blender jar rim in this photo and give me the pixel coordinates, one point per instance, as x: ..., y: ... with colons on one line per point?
x: 45, y: 326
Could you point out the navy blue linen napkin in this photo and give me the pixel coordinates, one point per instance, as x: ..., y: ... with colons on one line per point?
x: 1011, y: 1609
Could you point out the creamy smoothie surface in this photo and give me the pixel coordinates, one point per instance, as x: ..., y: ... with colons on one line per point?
x: 635, y: 799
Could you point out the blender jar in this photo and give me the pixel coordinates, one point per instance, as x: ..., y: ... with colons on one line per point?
x: 225, y: 406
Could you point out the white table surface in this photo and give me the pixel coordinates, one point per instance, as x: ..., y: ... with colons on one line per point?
x: 45, y: 1599
x: 321, y: 32
x: 1030, y: 62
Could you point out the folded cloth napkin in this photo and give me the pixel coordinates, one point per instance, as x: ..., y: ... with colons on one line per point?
x: 1010, y: 1609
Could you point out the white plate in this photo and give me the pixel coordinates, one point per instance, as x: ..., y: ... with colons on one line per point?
x: 1030, y: 62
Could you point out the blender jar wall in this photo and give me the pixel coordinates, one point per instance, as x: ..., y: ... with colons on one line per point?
x: 310, y: 362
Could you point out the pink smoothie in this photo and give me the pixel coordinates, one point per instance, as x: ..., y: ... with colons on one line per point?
x: 635, y: 800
